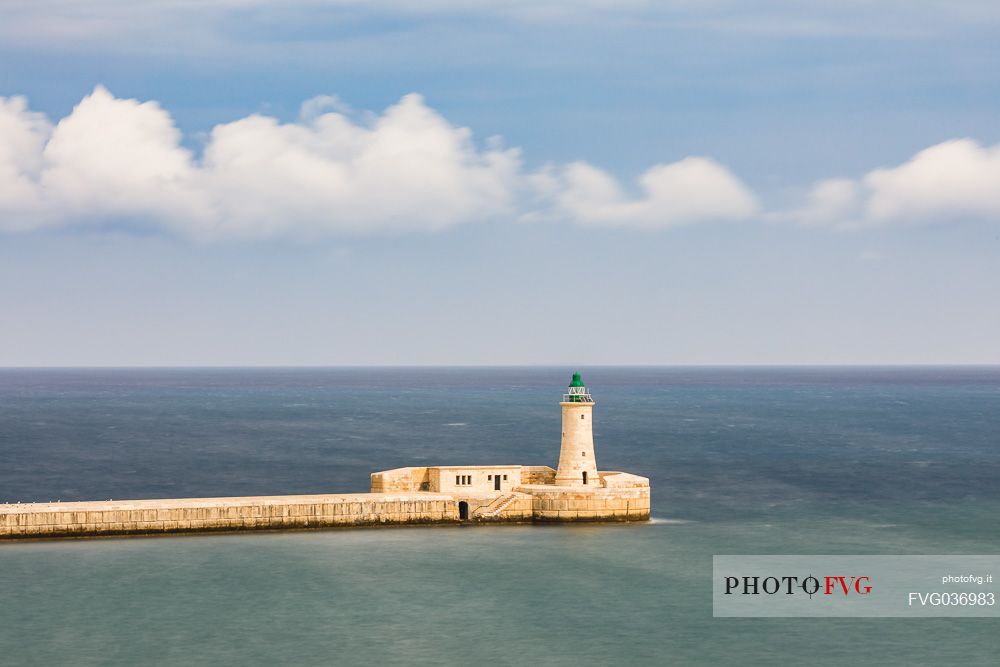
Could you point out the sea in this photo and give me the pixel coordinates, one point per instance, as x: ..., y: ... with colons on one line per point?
x: 750, y: 460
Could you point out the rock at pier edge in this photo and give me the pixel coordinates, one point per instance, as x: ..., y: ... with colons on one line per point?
x: 575, y: 491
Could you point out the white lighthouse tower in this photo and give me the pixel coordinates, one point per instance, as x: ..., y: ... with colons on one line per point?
x: 577, y: 465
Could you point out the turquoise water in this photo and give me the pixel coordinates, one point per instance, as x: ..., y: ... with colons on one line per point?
x: 742, y: 461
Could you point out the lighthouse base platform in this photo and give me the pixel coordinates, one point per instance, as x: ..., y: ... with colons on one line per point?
x: 524, y: 493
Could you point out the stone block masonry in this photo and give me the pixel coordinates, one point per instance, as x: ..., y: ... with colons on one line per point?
x: 555, y: 504
x: 182, y: 515
x: 628, y: 500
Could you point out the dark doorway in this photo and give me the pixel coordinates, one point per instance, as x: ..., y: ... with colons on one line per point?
x: 463, y: 511
x: 496, y: 482
x: 584, y: 476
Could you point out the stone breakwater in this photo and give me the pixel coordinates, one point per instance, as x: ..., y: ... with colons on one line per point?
x: 524, y: 504
x: 185, y: 515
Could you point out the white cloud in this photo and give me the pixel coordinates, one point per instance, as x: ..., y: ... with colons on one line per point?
x: 115, y: 159
x: 410, y: 169
x: 958, y: 179
x: 315, y: 107
x: 695, y: 189
x: 23, y: 134
x: 831, y: 203
x: 953, y: 180
x: 121, y: 161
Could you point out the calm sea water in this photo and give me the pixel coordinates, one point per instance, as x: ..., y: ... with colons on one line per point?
x: 889, y: 461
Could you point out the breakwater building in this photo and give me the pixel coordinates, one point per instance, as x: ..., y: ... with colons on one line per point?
x: 573, y: 491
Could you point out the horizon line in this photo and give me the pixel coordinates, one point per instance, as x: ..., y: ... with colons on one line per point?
x: 498, y: 366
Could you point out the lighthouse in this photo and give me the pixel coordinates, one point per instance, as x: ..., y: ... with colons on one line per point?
x: 577, y: 465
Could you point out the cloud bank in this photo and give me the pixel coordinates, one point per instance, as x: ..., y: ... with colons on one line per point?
x: 122, y: 164
x: 695, y: 189
x: 119, y: 161
x: 953, y: 180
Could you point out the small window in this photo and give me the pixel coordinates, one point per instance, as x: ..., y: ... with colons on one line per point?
x: 505, y: 478
x: 583, y: 416
x: 458, y: 480
x: 583, y: 454
x: 489, y: 478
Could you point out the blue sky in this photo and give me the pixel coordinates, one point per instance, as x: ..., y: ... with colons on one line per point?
x: 237, y: 182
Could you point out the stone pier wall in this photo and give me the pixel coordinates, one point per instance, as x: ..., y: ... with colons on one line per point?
x: 223, y: 514
x: 561, y: 504
x: 621, y: 497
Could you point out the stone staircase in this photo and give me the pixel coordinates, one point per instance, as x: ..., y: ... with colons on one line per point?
x: 497, y: 506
